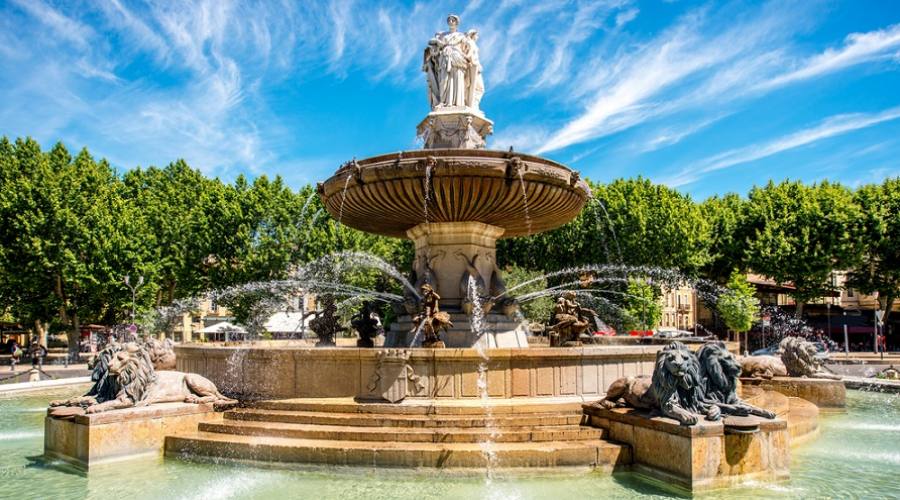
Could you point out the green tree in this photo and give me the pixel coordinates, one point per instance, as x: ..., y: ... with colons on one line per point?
x: 536, y: 309
x: 726, y: 219
x: 878, y: 270
x: 67, y: 247
x: 629, y: 221
x: 799, y: 234
x: 642, y: 307
x: 738, y: 305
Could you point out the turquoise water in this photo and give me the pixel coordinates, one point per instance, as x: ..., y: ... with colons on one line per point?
x: 856, y: 456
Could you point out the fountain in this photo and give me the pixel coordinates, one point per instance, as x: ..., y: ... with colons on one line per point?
x: 456, y: 384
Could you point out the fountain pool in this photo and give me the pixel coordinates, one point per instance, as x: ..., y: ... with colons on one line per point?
x: 852, y: 458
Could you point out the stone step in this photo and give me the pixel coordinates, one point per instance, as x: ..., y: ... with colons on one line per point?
x: 422, y: 435
x: 414, y: 407
x: 403, y: 420
x: 595, y: 453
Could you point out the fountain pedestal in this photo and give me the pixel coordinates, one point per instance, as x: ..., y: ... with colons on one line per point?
x: 707, y: 455
x: 451, y: 252
x: 88, y: 440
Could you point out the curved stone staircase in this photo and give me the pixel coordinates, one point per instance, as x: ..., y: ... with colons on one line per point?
x: 420, y: 433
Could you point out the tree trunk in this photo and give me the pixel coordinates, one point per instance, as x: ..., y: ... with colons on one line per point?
x: 887, y: 304
x: 799, y: 309
x: 40, y: 328
x: 74, y: 337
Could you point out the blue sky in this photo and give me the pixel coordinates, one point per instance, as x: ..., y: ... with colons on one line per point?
x: 708, y: 97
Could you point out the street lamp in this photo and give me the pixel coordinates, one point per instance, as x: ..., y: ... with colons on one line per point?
x: 133, y: 289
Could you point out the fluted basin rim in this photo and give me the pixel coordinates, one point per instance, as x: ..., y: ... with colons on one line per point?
x: 523, y: 194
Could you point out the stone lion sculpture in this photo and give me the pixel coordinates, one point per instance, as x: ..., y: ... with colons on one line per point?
x: 162, y: 353
x: 104, y: 388
x: 675, y: 389
x: 130, y: 380
x: 719, y: 371
x: 799, y: 356
x: 762, y: 367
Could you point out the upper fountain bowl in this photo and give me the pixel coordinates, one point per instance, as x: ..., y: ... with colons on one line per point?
x: 520, y: 193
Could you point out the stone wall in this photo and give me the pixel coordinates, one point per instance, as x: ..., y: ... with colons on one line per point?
x: 269, y: 371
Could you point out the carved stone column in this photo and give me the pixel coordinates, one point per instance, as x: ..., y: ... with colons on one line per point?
x: 450, y: 250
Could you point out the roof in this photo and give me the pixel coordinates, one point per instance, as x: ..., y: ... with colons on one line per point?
x: 285, y: 322
x: 222, y: 327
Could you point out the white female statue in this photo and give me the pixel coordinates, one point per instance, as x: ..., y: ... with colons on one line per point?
x: 452, y: 68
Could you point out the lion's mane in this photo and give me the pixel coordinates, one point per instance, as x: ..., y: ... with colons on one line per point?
x: 687, y: 389
x: 134, y: 372
x: 798, y: 356
x: 719, y: 371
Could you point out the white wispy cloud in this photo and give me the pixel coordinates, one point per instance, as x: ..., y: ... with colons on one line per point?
x: 681, y: 55
x: 671, y: 135
x: 831, y: 127
x: 858, y: 48
x: 690, y: 66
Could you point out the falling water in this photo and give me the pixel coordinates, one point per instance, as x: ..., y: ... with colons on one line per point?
x: 427, y: 188
x: 417, y: 336
x: 482, y: 341
x: 525, y: 201
x: 344, y: 197
x: 612, y: 229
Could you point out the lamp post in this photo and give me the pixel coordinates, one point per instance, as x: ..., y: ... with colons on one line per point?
x: 133, y: 289
x: 828, y: 309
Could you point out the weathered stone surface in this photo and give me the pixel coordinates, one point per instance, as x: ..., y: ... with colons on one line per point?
x: 87, y: 440
x: 824, y: 393
x: 701, y: 456
x: 386, y: 194
x: 429, y: 433
x: 445, y: 373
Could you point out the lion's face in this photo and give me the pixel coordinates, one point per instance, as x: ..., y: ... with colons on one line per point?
x: 726, y: 361
x: 719, y: 367
x: 133, y: 370
x: 681, y: 365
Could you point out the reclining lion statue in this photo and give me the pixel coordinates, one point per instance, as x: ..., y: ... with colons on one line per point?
x: 162, y: 353
x: 719, y: 371
x: 762, y: 367
x: 130, y: 380
x: 675, y: 389
x: 799, y: 356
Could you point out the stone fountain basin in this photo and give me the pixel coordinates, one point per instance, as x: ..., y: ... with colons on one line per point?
x: 386, y: 194
x: 279, y: 370
x: 272, y: 371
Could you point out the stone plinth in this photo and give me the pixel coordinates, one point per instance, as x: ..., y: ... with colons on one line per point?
x: 699, y: 457
x: 824, y: 393
x: 87, y: 440
x: 453, y: 251
x: 247, y: 371
x: 455, y: 127
x: 498, y: 331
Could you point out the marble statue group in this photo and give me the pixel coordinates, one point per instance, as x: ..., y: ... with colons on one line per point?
x: 453, y: 69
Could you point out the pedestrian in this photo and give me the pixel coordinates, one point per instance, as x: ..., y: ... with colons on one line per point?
x: 16, y: 353
x: 37, y: 352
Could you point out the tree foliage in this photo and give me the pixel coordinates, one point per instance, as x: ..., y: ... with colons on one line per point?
x: 738, y: 305
x: 800, y: 233
x: 878, y: 268
x: 642, y: 307
x: 629, y: 221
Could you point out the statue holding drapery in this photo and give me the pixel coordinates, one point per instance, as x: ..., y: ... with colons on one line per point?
x: 453, y: 69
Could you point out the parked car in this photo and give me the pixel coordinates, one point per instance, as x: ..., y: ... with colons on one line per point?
x: 673, y: 334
